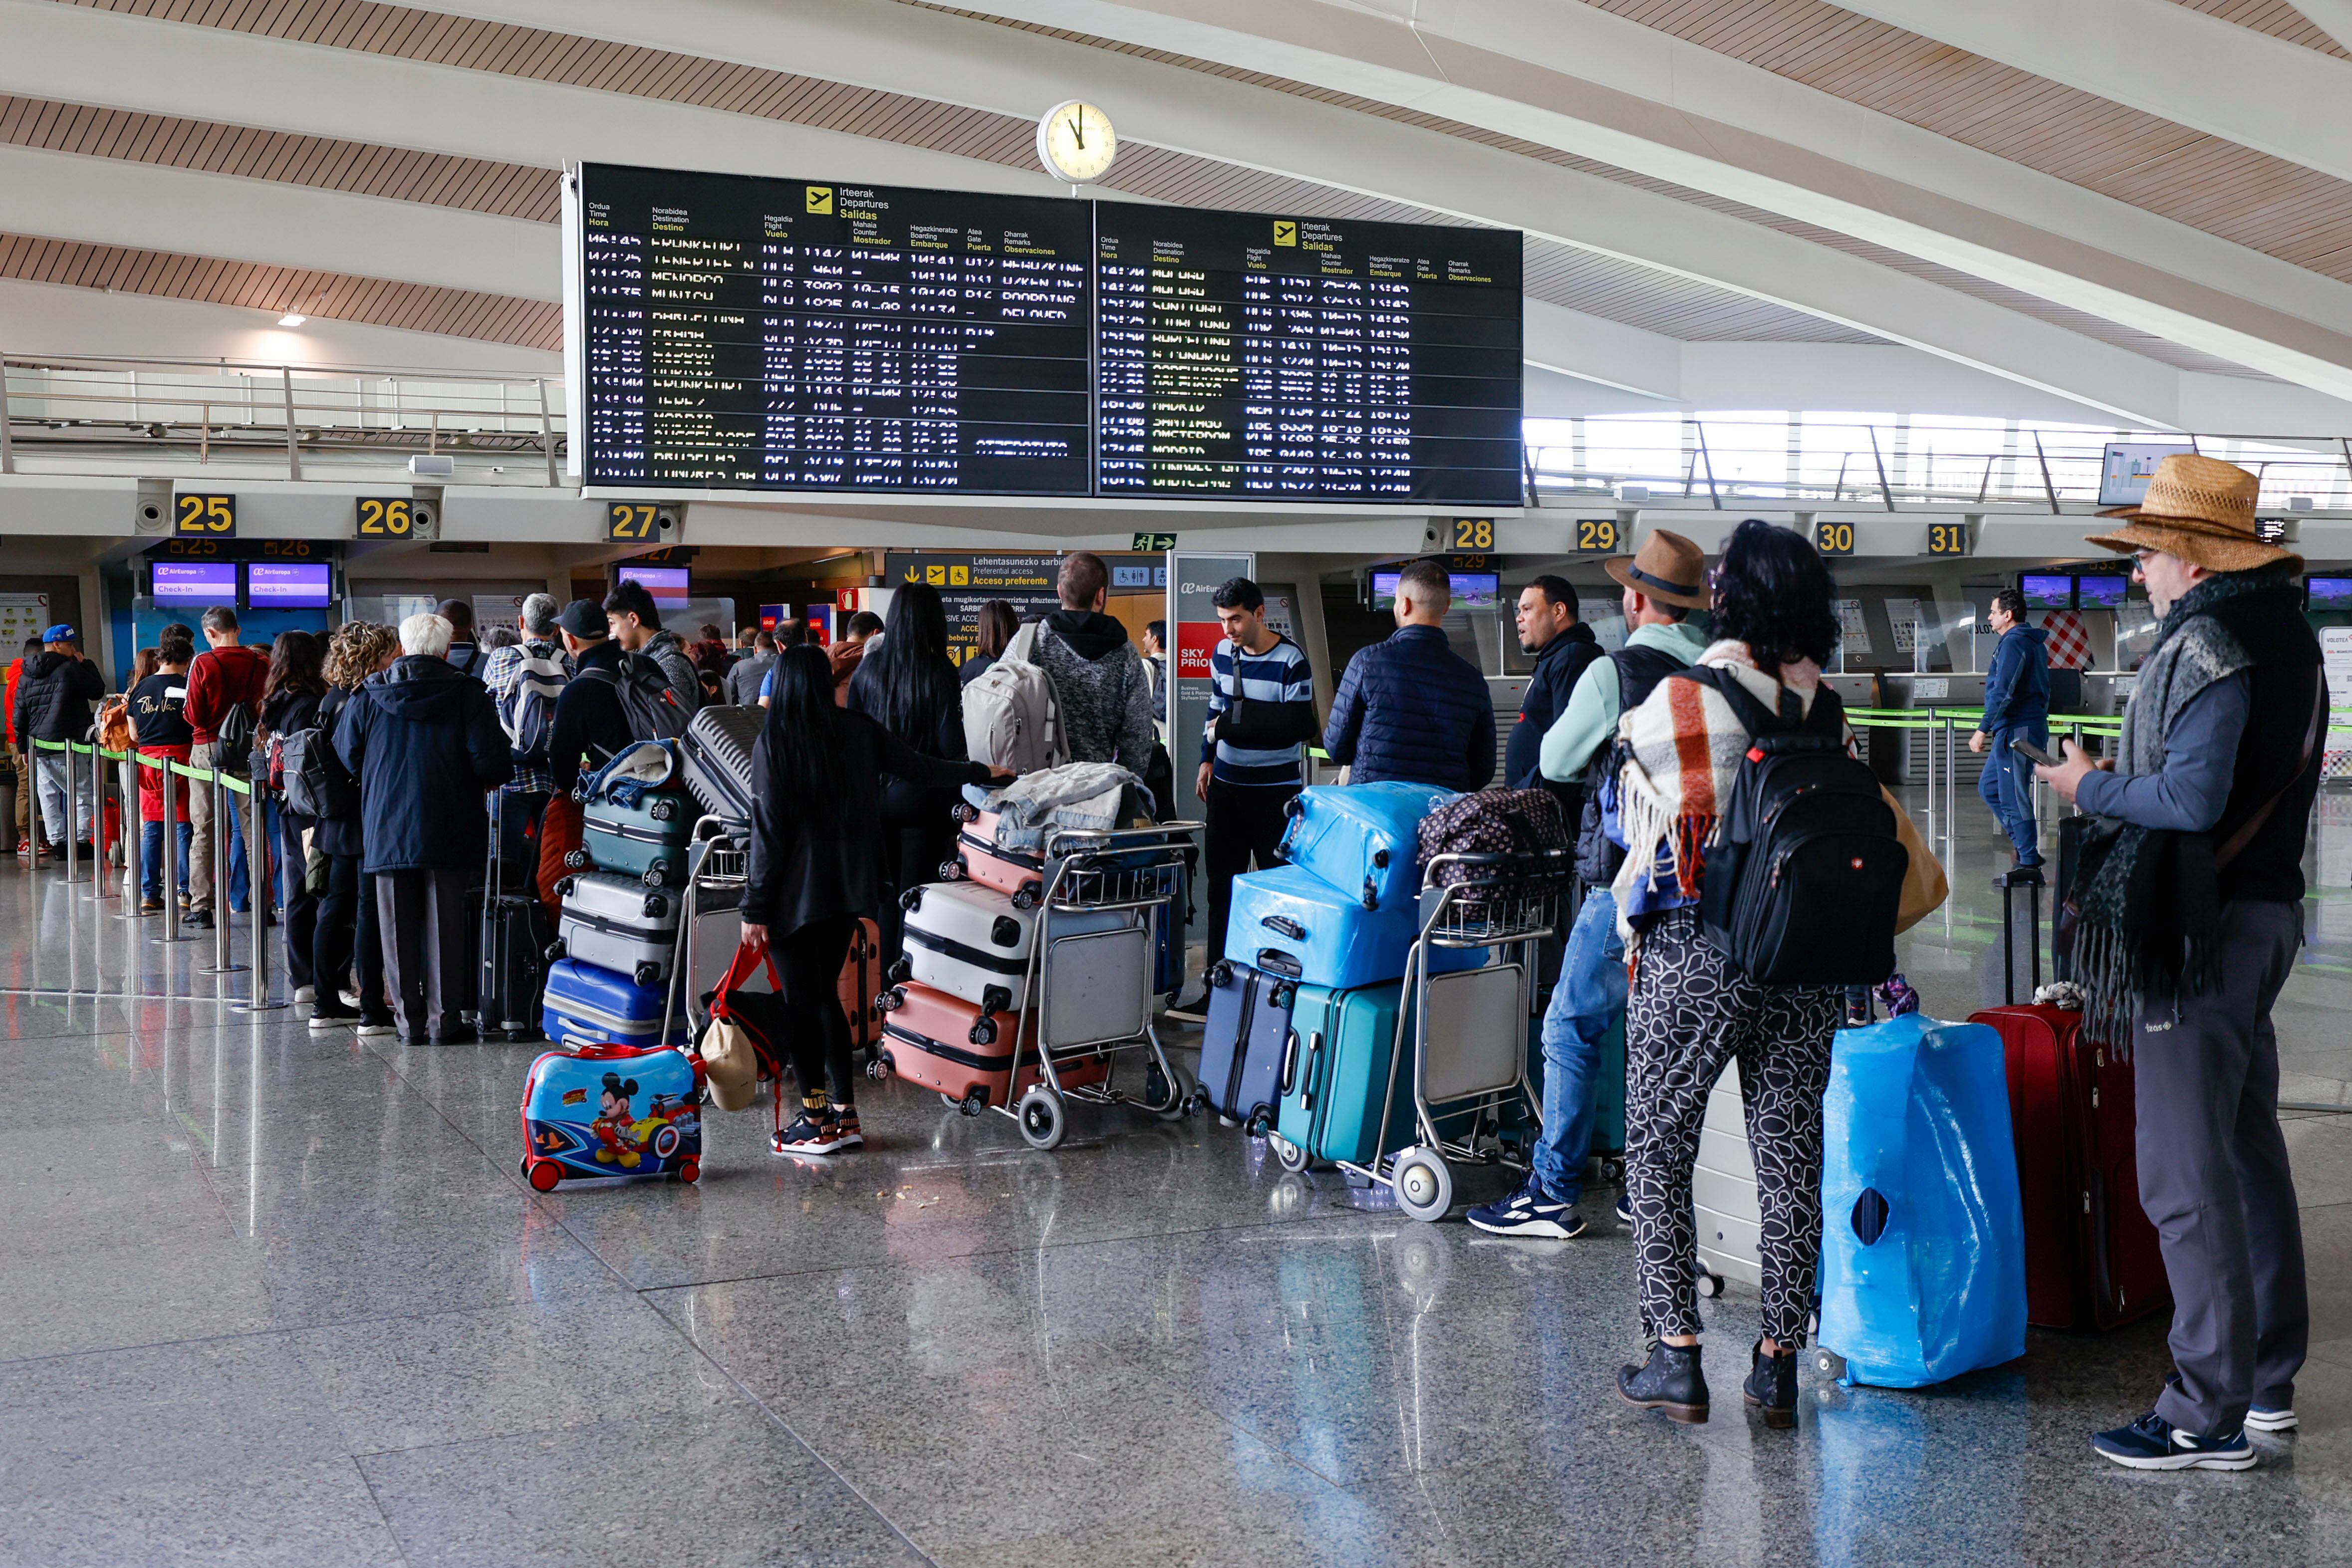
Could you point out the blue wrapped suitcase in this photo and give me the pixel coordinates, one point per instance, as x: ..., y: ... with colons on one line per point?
x: 588, y: 1006
x: 611, y: 1111
x: 1363, y: 840
x: 1288, y: 918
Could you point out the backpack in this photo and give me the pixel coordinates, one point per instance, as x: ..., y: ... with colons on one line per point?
x: 1805, y: 882
x: 303, y: 764
x: 653, y: 712
x: 233, y: 740
x: 1499, y: 822
x: 1012, y: 715
x: 527, y: 712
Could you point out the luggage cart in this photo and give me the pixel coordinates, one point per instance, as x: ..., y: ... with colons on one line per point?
x: 1466, y: 1032
x: 1089, y: 995
x: 717, y: 868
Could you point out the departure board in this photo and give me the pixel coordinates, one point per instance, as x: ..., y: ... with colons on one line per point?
x: 784, y: 335
x: 1252, y: 355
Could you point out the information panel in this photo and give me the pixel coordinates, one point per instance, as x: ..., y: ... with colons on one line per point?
x: 761, y: 333
x: 1246, y: 354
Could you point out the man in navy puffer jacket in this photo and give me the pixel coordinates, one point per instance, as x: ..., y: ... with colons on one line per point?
x: 1411, y: 708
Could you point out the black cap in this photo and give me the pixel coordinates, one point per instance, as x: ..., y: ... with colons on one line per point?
x: 584, y: 618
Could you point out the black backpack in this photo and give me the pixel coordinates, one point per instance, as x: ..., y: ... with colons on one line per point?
x: 653, y: 712
x: 1803, y: 886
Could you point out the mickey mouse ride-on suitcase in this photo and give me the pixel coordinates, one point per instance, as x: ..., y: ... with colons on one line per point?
x: 603, y: 1109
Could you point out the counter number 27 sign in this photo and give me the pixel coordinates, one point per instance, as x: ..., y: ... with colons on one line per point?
x: 632, y: 522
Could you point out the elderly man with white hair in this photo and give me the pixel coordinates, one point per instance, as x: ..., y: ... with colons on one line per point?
x: 424, y: 743
x: 539, y: 657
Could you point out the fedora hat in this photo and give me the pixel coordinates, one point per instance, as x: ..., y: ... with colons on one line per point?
x: 2199, y: 509
x: 1668, y: 568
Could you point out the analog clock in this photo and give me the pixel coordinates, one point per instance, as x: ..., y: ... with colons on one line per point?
x: 1075, y: 142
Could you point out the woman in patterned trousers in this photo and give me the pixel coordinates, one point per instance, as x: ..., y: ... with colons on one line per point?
x: 1689, y: 1011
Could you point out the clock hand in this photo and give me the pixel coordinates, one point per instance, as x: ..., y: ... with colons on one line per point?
x: 1078, y: 128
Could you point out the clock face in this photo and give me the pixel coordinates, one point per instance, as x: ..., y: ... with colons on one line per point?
x: 1075, y: 142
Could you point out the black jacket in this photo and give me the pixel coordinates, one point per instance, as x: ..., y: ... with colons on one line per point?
x: 818, y: 860
x: 54, y: 692
x: 424, y: 743
x: 590, y: 725
x: 937, y: 731
x: 1412, y: 709
x: 1558, y: 666
x: 339, y: 835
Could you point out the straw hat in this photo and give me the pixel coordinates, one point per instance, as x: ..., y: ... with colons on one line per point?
x: 2202, y: 510
x: 1668, y: 568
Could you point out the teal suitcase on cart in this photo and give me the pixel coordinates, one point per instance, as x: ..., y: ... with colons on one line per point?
x: 1336, y: 1075
x: 646, y: 840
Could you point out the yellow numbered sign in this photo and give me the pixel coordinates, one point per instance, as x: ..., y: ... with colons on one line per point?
x: 204, y: 517
x: 1948, y: 539
x: 1597, y: 536
x: 631, y: 523
x: 386, y: 516
x: 1473, y: 534
x: 1834, y: 538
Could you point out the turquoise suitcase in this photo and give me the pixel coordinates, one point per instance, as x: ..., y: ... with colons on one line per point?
x: 1336, y: 1074
x: 646, y: 840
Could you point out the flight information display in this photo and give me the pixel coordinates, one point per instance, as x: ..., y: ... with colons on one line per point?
x: 759, y: 333
x: 1252, y: 355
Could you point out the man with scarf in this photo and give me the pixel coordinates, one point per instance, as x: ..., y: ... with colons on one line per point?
x: 2188, y: 910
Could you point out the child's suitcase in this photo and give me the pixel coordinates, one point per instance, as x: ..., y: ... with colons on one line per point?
x: 1288, y: 918
x: 944, y: 1044
x: 1245, y: 1043
x: 2092, y: 1260
x: 646, y: 840
x: 1362, y: 840
x: 1342, y: 1045
x: 588, y: 1006
x: 970, y: 941
x: 861, y: 983
x: 714, y: 758
x: 611, y: 1111
x: 619, y: 923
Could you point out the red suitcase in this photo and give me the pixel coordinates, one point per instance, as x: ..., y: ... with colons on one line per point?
x: 979, y: 858
x: 2090, y: 1256
x: 948, y: 1044
x: 861, y: 983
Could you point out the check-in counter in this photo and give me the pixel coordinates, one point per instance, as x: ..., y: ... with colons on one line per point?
x: 1882, y: 749
x: 2104, y: 692
x: 1924, y: 691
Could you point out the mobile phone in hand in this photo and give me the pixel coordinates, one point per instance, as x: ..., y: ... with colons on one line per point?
x: 2035, y: 754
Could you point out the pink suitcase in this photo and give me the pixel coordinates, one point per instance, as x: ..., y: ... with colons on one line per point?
x: 949, y: 1045
x: 979, y: 858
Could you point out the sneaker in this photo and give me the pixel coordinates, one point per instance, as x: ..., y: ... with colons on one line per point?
x: 809, y: 1135
x: 1530, y: 1211
x: 198, y: 919
x: 375, y: 1026
x: 306, y: 994
x: 1670, y: 1380
x: 1771, y: 1386
x: 846, y: 1132
x: 1192, y: 1009
x: 332, y: 1018
x: 1897, y: 995
x: 1625, y: 1210
x: 151, y: 906
x: 1858, y: 1009
x: 2152, y: 1443
x: 2269, y: 1418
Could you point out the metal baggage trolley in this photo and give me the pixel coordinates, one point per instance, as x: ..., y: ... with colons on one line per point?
x: 1466, y: 1032
x: 718, y: 867
x: 1090, y: 995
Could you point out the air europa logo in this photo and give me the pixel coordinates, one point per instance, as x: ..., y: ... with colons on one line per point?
x: 1197, y: 588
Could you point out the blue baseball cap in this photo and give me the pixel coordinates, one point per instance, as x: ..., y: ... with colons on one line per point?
x: 61, y: 633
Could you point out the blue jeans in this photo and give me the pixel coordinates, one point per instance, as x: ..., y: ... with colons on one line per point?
x: 2005, y: 787
x: 150, y: 857
x: 1591, y: 995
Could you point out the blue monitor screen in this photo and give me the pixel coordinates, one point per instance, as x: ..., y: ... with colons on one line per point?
x: 666, y: 584
x: 2047, y: 590
x: 205, y: 583
x: 2101, y: 593
x: 1472, y: 590
x: 2329, y: 592
x: 273, y: 585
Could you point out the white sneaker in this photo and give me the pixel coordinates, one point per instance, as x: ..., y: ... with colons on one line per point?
x: 306, y: 994
x: 2260, y: 1420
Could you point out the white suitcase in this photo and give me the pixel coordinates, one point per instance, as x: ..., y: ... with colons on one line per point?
x: 1723, y: 1187
x: 619, y: 923
x: 966, y: 939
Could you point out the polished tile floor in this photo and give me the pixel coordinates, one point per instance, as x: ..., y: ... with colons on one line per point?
x: 281, y: 1298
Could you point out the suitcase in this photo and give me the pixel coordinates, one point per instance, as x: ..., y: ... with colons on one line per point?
x: 646, y: 840
x: 619, y: 923
x: 1724, y: 1206
x: 1288, y: 918
x: 512, y: 970
x: 1337, y: 1076
x: 588, y: 1006
x: 861, y: 983
x: 1018, y: 874
x: 1362, y: 840
x: 714, y: 758
x: 945, y: 1044
x: 1245, y: 1043
x: 611, y: 1111
x: 2092, y: 1260
x: 969, y: 941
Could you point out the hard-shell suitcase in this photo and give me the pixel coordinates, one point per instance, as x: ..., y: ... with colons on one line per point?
x: 1343, y: 1044
x: 512, y: 966
x: 1362, y: 840
x: 1247, y: 1042
x: 714, y: 758
x: 619, y: 923
x: 646, y: 840
x: 2092, y: 1259
x: 1018, y: 873
x: 606, y: 1110
x: 947, y: 1044
x: 861, y: 983
x: 1724, y: 1205
x: 970, y: 941
x: 588, y: 1006
x: 1286, y: 917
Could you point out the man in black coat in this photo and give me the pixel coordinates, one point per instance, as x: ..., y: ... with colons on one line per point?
x: 54, y: 692
x: 1564, y: 647
x: 424, y: 743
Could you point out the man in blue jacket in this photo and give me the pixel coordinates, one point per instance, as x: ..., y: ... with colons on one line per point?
x: 1411, y: 708
x: 2016, y: 707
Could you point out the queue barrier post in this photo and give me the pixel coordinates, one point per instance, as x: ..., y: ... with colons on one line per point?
x: 32, y: 782
x: 171, y: 867
x: 99, y: 889
x: 224, y: 955
x: 257, y: 877
x: 73, y: 848
x: 126, y: 787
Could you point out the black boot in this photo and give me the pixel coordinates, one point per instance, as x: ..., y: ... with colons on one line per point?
x: 1771, y: 1385
x: 1670, y: 1380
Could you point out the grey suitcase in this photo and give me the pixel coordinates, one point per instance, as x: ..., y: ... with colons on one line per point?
x: 968, y: 940
x: 715, y: 760
x: 619, y: 923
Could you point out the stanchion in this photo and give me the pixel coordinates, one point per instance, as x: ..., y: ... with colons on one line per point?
x: 73, y: 850
x: 1927, y: 734
x: 126, y: 785
x: 1951, y: 789
x: 33, y: 805
x: 224, y: 955
x: 257, y: 877
x: 170, y: 870
x: 98, y: 890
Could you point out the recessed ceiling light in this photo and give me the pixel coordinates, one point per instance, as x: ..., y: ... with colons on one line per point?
x: 292, y: 319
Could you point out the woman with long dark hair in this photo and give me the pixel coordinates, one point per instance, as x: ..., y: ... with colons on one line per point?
x: 290, y: 701
x: 1690, y: 1011
x: 818, y: 867
x: 908, y: 685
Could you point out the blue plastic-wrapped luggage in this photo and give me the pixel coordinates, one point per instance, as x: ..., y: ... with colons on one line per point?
x: 1324, y: 935
x: 1923, y: 1247
x: 588, y: 1006
x: 1363, y: 840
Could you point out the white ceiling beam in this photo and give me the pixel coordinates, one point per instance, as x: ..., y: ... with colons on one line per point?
x: 2332, y: 17
x: 2161, y: 59
x: 107, y: 200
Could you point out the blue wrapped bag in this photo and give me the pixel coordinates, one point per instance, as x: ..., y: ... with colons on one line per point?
x: 1922, y: 1244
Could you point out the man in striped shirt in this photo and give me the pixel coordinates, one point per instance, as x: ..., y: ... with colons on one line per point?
x: 1261, y: 713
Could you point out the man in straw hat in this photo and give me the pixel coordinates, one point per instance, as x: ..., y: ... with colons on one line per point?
x: 2190, y: 904
x: 1664, y: 582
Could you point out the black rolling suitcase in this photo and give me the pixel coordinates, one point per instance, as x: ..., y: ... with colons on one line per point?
x: 512, y: 941
x: 715, y: 761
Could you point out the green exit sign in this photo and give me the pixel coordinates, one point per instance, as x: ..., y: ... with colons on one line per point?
x: 1153, y: 543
